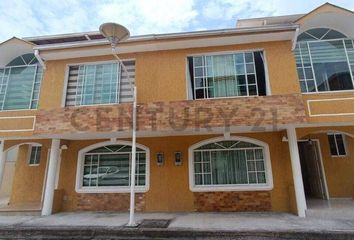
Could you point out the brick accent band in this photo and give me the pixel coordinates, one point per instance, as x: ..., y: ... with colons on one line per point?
x: 109, y: 202
x: 174, y: 116
x: 232, y: 201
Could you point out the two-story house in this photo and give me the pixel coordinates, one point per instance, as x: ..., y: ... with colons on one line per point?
x: 259, y: 117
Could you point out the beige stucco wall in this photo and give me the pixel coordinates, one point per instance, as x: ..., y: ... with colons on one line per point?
x: 169, y: 186
x: 27, y: 186
x: 339, y: 171
x: 7, y: 180
x: 161, y: 75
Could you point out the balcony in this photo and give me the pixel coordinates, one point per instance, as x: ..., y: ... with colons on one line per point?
x: 176, y: 117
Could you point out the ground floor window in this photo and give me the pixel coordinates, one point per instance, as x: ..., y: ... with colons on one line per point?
x: 230, y: 164
x: 337, y: 144
x: 34, y: 155
x: 108, y: 167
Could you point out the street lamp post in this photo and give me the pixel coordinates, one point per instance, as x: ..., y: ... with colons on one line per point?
x: 114, y: 34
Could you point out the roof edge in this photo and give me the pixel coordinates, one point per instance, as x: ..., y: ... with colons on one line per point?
x: 327, y: 3
x: 168, y: 36
x: 20, y: 39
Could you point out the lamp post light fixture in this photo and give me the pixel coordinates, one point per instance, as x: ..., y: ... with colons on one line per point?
x: 116, y: 33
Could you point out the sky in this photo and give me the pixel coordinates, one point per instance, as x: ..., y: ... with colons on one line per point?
x: 26, y: 18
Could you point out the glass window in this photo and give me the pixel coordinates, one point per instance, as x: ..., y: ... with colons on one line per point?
x: 20, y: 83
x: 336, y: 144
x: 91, y: 84
x: 229, y: 163
x: 226, y: 75
x: 109, y: 166
x: 324, y: 61
x: 35, y: 155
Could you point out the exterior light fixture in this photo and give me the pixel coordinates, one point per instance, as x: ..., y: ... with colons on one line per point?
x: 160, y: 159
x: 116, y: 33
x: 178, y: 158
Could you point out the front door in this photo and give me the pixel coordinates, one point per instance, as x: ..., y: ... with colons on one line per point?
x: 312, y: 174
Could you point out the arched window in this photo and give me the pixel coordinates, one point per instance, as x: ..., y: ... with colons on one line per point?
x: 105, y: 167
x: 20, y: 83
x: 23, y: 60
x: 235, y: 164
x: 324, y: 61
x: 320, y: 34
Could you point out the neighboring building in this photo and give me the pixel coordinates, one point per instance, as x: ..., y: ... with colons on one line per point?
x: 225, y: 117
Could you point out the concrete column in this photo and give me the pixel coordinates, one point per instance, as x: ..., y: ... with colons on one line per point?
x: 2, y: 159
x: 296, y: 169
x: 51, y: 176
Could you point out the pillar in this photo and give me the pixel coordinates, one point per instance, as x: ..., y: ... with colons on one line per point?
x: 296, y: 170
x: 51, y: 176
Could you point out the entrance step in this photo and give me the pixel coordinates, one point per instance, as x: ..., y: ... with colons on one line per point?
x: 20, y: 209
x: 20, y: 212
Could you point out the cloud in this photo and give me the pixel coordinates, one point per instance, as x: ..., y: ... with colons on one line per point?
x: 23, y: 18
x: 153, y: 16
x: 231, y: 9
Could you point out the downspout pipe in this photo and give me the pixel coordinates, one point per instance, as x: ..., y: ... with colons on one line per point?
x: 295, y: 38
x: 38, y: 57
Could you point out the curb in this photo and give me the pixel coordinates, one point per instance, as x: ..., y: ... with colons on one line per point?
x: 87, y: 232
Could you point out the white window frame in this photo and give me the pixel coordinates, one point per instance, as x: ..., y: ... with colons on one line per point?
x: 313, y: 73
x: 79, y: 188
x: 32, y: 92
x: 231, y: 187
x: 336, y: 145
x: 30, y: 147
x: 190, y: 91
x: 66, y: 80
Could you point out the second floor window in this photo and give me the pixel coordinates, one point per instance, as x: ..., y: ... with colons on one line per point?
x: 227, y: 75
x: 20, y: 83
x: 103, y: 83
x: 325, y: 61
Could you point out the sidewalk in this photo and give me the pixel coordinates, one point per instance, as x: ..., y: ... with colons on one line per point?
x: 93, y: 225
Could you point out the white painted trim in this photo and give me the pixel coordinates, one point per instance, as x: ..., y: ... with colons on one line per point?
x: 20, y: 130
x: 70, y: 52
x: 21, y: 144
x: 151, y: 37
x: 100, y: 62
x: 328, y: 92
x: 322, y: 168
x: 327, y: 100
x: 321, y: 165
x: 239, y: 187
x: 213, y: 53
x: 118, y: 189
